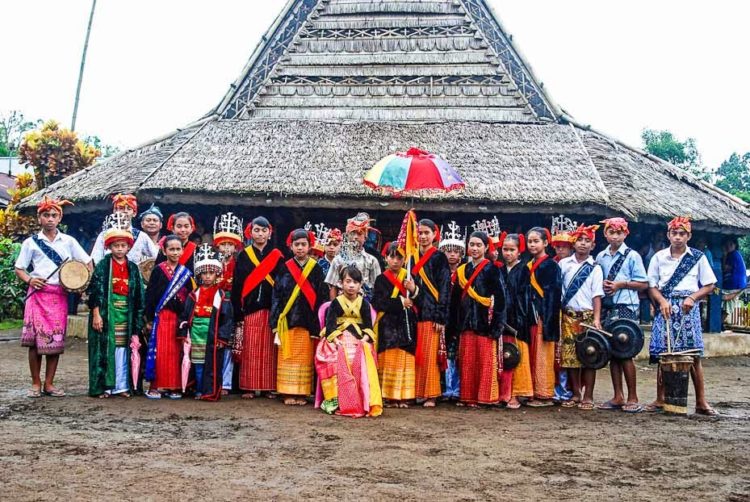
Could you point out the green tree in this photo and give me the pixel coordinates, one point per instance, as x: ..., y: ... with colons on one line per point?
x: 12, y: 127
x: 733, y: 175
x: 683, y: 154
x: 106, y: 149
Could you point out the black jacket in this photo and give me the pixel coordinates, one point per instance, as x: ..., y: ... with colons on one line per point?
x: 472, y: 315
x: 260, y: 297
x: 301, y: 315
x: 439, y: 273
x: 397, y: 328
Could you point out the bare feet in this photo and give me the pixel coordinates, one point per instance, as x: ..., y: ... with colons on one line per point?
x: 403, y: 404
x: 248, y: 395
x: 270, y: 395
x: 430, y: 403
x: 301, y: 402
x: 224, y: 392
x: 654, y: 407
x: 390, y: 404
x: 290, y: 401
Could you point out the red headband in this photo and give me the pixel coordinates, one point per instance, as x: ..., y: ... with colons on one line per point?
x: 48, y: 203
x: 616, y: 224
x: 310, y: 238
x: 122, y: 199
x: 170, y: 222
x: 680, y: 222
x: 585, y: 231
x: 119, y: 236
x: 248, y: 233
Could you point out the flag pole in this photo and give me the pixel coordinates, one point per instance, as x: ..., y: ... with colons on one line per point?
x: 83, y: 64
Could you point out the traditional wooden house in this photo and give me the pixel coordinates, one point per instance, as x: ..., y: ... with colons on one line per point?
x: 335, y: 85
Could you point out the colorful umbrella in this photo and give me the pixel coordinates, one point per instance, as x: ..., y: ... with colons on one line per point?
x: 186, y: 364
x: 413, y: 171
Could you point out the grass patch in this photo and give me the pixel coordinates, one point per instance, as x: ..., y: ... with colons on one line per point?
x: 11, y: 324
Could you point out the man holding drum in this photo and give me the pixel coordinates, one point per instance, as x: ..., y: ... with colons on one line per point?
x: 46, y: 310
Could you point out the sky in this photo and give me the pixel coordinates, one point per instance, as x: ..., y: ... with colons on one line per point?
x: 156, y: 65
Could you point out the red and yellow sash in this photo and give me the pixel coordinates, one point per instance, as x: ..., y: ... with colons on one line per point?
x: 419, y: 270
x: 187, y: 253
x: 467, y: 285
x: 303, y: 285
x: 533, y: 266
x: 398, y: 282
x: 262, y: 270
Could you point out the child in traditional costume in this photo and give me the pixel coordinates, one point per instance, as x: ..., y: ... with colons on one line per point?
x: 516, y: 382
x: 581, y: 304
x: 544, y: 311
x: 679, y: 278
x: 345, y: 358
x: 624, y: 277
x: 227, y: 240
x: 252, y: 290
x: 432, y: 275
x: 45, y: 317
x: 393, y: 299
x: 168, y: 288
x: 562, y: 241
x: 453, y: 245
x: 331, y: 243
x: 480, y: 302
x: 206, y: 326
x: 143, y: 248
x: 181, y: 225
x: 299, y: 291
x: 116, y: 314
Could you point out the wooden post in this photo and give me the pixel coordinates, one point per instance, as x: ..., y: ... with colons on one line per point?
x: 714, y: 300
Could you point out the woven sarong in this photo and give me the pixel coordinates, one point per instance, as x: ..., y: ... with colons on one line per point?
x: 571, y: 328
x: 294, y: 375
x: 259, y: 353
x: 620, y: 311
x: 199, y: 339
x: 523, y: 385
x: 426, y: 360
x: 686, y: 330
x: 542, y: 357
x: 45, y: 320
x: 169, y: 353
x: 477, y: 360
x: 397, y: 372
x: 120, y: 320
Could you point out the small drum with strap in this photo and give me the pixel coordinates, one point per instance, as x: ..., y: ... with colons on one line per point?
x: 146, y: 267
x: 74, y: 276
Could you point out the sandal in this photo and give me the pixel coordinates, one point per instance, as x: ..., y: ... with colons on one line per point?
x: 248, y: 395
x: 569, y: 403
x: 103, y: 395
x: 586, y: 406
x: 708, y: 412
x: 34, y: 392
x: 54, y: 392
x: 653, y: 408
x: 513, y: 406
x: 534, y: 403
x: 174, y: 395
x: 301, y: 402
x: 403, y: 405
x: 290, y: 401
x: 152, y: 394
x: 632, y: 408
x: 609, y: 406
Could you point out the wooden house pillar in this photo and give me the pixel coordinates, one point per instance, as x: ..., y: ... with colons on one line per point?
x: 714, y: 300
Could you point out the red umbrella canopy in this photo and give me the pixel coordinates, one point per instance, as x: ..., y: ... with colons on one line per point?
x: 411, y: 171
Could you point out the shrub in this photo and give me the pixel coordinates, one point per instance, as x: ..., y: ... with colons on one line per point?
x: 12, y: 289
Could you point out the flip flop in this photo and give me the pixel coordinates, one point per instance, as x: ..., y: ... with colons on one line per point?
x: 708, y: 412
x: 632, y: 408
x: 152, y: 395
x: 610, y: 406
x: 653, y: 408
x: 513, y: 406
x: 586, y: 406
x: 54, y: 392
x: 569, y: 404
x: 539, y: 404
x: 34, y: 393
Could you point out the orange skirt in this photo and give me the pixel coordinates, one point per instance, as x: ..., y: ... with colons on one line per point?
x: 426, y: 359
x: 523, y: 385
x: 396, y: 369
x: 294, y: 376
x: 542, y: 364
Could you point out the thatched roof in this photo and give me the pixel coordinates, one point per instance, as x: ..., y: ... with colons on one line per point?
x: 336, y: 85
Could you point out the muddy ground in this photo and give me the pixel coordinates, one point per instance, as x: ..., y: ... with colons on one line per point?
x: 78, y: 448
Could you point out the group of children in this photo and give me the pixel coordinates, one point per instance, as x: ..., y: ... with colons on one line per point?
x: 327, y: 323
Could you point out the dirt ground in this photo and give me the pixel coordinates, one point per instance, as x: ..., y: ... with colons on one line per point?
x: 78, y: 448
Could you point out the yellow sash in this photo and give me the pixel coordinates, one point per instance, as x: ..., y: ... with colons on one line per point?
x: 462, y: 280
x: 351, y: 318
x: 283, y: 326
x: 253, y: 258
x: 534, y: 282
x: 426, y: 280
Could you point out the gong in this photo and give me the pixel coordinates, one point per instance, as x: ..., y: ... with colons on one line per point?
x: 511, y: 355
x: 593, y: 349
x: 627, y: 338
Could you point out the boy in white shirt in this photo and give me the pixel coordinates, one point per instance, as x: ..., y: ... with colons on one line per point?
x: 581, y: 303
x: 679, y: 278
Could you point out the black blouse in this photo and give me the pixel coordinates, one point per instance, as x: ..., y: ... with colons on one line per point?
x: 547, y: 309
x: 260, y: 297
x: 517, y: 286
x: 397, y: 328
x: 300, y: 315
x: 439, y: 273
x: 472, y: 315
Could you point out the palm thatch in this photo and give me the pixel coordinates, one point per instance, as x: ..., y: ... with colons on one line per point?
x: 335, y: 85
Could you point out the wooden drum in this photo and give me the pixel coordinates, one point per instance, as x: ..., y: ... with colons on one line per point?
x: 74, y: 276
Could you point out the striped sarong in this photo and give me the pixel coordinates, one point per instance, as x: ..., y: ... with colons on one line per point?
x: 523, y: 385
x: 397, y: 372
x: 477, y: 359
x: 426, y: 360
x: 542, y: 364
x: 259, y: 353
x: 294, y: 375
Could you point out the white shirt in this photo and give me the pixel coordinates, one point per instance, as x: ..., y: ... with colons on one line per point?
x: 66, y: 246
x: 632, y: 270
x: 662, y: 267
x: 593, y: 287
x: 143, y: 249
